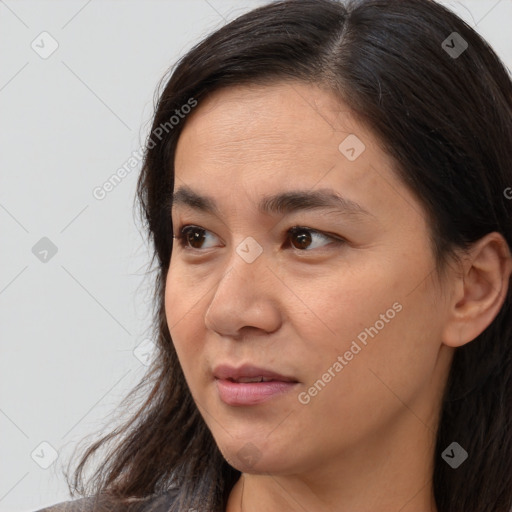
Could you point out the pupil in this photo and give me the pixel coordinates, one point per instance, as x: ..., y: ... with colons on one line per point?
x: 304, y: 238
x: 193, y: 236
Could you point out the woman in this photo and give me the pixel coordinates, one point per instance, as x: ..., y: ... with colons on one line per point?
x: 325, y: 186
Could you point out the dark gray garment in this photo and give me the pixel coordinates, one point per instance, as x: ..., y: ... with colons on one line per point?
x: 161, y: 503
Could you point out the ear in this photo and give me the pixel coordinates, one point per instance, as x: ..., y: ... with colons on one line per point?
x: 480, y: 290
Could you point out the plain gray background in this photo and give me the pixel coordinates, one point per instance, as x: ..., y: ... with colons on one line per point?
x: 74, y: 303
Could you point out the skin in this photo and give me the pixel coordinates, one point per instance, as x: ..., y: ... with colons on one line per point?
x: 365, y: 442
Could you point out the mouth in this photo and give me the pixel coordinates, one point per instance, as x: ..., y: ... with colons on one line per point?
x: 250, y: 385
x: 252, y: 379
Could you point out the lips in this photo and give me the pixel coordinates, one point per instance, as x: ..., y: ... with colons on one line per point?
x: 249, y: 373
x: 250, y: 385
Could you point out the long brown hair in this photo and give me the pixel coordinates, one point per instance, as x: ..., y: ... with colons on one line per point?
x: 447, y: 121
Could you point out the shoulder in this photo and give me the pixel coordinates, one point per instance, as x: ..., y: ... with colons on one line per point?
x: 160, y: 503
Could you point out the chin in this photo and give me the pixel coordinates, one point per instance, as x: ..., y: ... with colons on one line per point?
x: 250, y: 456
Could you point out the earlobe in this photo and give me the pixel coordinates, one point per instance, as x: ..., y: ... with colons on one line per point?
x: 480, y: 290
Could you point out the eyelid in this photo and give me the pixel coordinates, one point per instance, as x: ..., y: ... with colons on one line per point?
x: 334, y: 239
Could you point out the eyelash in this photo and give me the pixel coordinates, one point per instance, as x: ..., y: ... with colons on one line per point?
x: 184, y: 230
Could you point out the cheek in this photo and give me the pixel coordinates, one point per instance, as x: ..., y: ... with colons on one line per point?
x: 183, y: 302
x: 388, y: 338
x: 382, y: 317
x: 329, y: 311
x: 184, y: 290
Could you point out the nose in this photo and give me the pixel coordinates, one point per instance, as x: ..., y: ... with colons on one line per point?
x: 246, y: 298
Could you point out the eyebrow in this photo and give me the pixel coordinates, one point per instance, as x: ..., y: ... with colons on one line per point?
x: 279, y: 204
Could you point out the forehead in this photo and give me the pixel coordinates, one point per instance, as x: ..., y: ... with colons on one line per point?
x: 242, y: 143
x: 262, y: 112
x: 268, y: 128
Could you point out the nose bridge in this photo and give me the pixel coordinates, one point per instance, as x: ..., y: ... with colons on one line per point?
x: 249, y: 250
x: 243, y: 281
x: 244, y: 295
x: 249, y: 263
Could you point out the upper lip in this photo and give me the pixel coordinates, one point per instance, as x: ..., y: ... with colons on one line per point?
x: 225, y: 371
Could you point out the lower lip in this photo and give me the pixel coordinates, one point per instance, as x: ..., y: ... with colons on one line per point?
x: 251, y: 393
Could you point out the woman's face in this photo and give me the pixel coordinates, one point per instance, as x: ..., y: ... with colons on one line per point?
x: 345, y: 310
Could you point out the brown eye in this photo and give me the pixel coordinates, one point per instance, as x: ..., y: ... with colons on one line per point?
x: 194, y: 236
x: 302, y: 236
x: 191, y: 236
x: 305, y: 236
